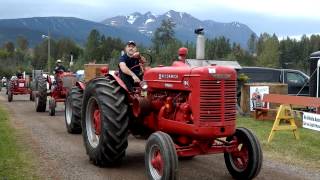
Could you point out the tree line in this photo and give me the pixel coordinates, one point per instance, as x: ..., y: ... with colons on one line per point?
x: 264, y: 50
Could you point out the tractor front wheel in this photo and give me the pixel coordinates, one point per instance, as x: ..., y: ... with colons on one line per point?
x: 10, y: 96
x: 73, y: 110
x: 52, y: 106
x: 246, y: 161
x: 104, y: 121
x: 161, y: 158
x: 41, y: 97
x: 31, y: 96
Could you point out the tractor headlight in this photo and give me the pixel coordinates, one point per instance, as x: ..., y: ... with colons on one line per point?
x: 143, y: 85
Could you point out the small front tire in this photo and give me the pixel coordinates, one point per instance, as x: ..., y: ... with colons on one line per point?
x: 246, y: 162
x: 161, y: 158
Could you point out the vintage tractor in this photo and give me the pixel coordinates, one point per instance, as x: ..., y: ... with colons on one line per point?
x: 182, y: 110
x: 18, y: 86
x: 58, y: 90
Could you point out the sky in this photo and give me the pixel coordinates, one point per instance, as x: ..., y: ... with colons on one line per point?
x: 282, y: 17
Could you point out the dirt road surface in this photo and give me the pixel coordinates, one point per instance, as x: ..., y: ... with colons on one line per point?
x: 62, y: 155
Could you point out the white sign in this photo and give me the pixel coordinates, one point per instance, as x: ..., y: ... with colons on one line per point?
x: 311, y: 121
x: 256, y: 96
x: 21, y: 85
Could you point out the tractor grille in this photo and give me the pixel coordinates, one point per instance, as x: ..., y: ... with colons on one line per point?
x: 217, y: 100
x: 69, y: 81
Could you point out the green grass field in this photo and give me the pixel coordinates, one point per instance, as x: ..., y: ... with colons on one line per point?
x: 16, y: 157
x: 284, y: 147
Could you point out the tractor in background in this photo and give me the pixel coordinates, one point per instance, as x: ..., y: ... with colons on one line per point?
x: 57, y: 90
x: 19, y: 85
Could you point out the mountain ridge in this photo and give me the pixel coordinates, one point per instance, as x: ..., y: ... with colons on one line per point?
x: 135, y: 26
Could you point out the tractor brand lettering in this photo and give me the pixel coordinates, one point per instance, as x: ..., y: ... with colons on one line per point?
x: 186, y: 83
x: 168, y: 76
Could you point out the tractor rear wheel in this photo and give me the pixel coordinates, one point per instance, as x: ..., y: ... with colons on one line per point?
x: 246, y: 162
x: 52, y: 107
x: 104, y: 121
x: 73, y: 110
x: 161, y: 158
x: 41, y: 97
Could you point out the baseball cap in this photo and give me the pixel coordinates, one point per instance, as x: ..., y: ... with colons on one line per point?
x: 131, y: 42
x: 59, y: 61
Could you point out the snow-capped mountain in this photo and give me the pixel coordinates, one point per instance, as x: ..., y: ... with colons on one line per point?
x: 185, y: 25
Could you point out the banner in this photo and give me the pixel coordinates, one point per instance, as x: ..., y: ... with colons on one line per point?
x: 311, y: 121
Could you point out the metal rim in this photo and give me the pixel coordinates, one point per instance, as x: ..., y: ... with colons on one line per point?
x: 92, y: 122
x: 240, y: 158
x: 68, y: 111
x: 155, y: 162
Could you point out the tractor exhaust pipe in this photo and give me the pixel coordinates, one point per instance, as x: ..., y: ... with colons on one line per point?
x: 200, y: 49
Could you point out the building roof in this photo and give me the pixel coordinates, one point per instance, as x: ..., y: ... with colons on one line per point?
x: 199, y: 63
x: 315, y: 55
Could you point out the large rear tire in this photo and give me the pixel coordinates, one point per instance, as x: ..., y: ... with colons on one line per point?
x: 247, y: 161
x: 104, y: 121
x: 41, y: 97
x: 73, y: 110
x: 161, y: 158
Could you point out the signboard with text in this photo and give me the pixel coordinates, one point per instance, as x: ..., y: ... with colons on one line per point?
x: 311, y: 121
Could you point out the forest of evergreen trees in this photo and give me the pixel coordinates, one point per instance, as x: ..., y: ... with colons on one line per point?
x: 265, y: 50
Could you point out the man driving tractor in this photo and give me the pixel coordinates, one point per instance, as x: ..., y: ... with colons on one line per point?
x: 130, y: 65
x: 59, y: 67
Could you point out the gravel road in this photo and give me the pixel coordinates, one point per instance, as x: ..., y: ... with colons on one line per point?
x: 62, y: 155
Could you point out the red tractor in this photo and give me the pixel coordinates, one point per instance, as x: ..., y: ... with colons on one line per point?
x: 18, y: 86
x: 58, y: 90
x: 182, y: 111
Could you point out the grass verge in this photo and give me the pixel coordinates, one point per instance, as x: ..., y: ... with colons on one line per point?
x: 284, y: 148
x: 17, y: 160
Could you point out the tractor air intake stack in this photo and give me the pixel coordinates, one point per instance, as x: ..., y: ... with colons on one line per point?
x: 200, y: 43
x: 314, y: 76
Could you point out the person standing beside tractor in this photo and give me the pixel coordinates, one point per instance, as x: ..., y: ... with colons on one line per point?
x: 182, y: 55
x: 130, y: 65
x: 182, y: 52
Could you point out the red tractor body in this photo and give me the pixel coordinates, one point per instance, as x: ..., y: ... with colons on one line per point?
x: 18, y: 87
x: 193, y: 105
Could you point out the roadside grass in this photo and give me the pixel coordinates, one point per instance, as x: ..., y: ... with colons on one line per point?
x: 284, y: 147
x: 17, y: 161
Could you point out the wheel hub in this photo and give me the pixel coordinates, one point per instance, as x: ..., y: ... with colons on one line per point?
x: 240, y: 157
x: 157, y: 162
x: 97, y: 121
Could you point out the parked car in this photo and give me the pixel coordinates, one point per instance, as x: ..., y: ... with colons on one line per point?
x: 297, y: 81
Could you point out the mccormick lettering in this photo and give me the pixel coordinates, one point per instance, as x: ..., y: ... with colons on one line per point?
x: 168, y: 76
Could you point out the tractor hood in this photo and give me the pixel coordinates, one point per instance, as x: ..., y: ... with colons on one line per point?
x: 180, y: 75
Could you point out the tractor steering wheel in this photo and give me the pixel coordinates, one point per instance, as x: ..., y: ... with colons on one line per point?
x: 147, y: 62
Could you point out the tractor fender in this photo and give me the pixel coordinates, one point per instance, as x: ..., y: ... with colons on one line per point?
x: 81, y: 85
x: 119, y: 81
